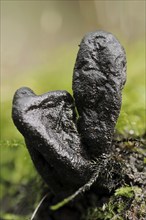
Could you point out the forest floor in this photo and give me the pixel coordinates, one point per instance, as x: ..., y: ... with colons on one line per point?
x: 127, y: 202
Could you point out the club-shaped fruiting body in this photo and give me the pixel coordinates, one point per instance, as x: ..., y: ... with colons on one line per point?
x: 98, y: 79
x: 47, y: 123
x: 61, y: 146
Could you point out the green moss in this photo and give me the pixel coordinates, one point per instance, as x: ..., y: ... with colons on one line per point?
x: 108, y: 211
x: 16, y: 165
x: 12, y: 216
x: 125, y: 191
x: 18, y: 178
x: 126, y: 203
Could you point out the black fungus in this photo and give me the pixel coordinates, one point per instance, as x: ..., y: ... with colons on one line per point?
x: 66, y: 151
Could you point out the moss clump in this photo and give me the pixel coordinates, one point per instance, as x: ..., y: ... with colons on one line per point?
x: 20, y: 183
x: 125, y: 191
x: 126, y: 203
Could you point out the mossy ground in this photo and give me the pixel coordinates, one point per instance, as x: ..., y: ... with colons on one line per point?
x: 22, y: 194
x: 127, y: 201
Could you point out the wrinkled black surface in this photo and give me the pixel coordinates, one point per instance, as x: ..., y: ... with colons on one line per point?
x: 48, y: 124
x: 62, y: 156
x: 99, y: 76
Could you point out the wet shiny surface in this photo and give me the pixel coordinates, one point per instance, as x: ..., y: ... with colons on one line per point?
x: 62, y: 147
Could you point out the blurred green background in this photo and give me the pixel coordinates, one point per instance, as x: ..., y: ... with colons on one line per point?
x: 39, y: 43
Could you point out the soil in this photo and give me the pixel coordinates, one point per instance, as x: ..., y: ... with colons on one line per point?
x: 133, y: 151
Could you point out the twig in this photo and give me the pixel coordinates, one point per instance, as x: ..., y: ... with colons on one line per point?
x: 77, y: 193
x: 38, y: 206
